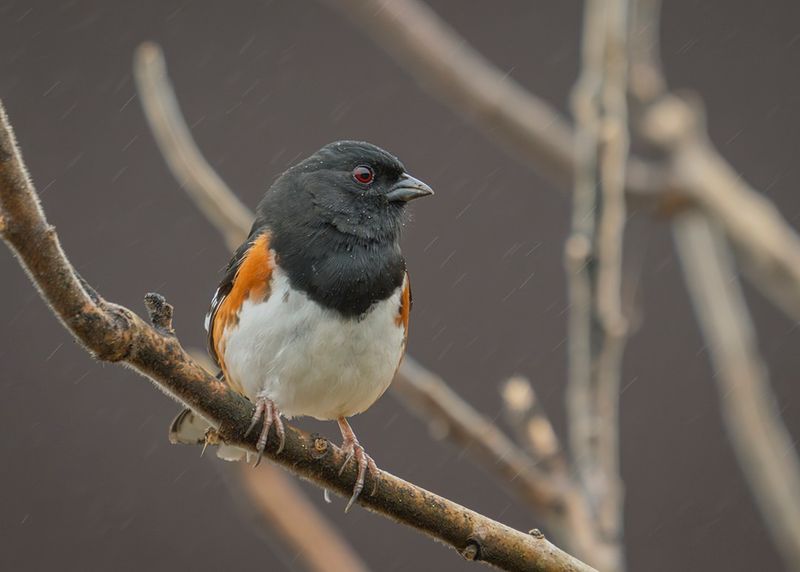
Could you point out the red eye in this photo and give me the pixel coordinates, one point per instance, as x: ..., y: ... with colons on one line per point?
x: 363, y: 174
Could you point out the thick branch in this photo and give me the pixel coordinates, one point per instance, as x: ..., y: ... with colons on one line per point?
x: 114, y: 333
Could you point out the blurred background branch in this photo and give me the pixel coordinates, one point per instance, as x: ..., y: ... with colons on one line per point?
x: 593, y: 253
x: 753, y: 421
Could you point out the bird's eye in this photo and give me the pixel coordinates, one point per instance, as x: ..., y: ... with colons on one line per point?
x: 363, y: 174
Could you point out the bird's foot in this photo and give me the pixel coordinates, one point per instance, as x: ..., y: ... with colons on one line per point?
x: 354, y: 450
x: 267, y: 409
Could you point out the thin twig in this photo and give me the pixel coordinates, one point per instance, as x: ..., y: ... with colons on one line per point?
x: 610, y: 233
x: 528, y: 418
x: 195, y: 175
x: 430, y: 398
x: 580, y: 252
x: 762, y: 444
x: 114, y: 333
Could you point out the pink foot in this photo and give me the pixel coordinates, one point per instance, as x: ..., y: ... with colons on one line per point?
x: 266, y: 408
x: 353, y: 449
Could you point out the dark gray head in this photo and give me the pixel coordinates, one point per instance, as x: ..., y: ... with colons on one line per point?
x: 355, y: 186
x: 335, y: 221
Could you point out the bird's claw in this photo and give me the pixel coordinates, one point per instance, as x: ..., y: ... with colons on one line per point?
x: 266, y: 408
x: 354, y: 450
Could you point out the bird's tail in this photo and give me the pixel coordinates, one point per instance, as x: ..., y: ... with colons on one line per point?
x: 188, y: 428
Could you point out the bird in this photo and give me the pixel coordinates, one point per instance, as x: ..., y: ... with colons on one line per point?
x: 311, y: 316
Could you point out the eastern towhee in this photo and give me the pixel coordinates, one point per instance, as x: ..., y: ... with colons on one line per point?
x: 311, y: 317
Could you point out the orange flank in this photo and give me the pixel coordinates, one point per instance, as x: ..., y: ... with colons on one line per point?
x: 252, y: 282
x: 405, y: 306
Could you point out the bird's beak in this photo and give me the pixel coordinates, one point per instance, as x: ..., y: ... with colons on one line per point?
x: 407, y: 189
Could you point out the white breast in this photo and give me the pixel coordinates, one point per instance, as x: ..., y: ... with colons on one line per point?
x: 309, y: 360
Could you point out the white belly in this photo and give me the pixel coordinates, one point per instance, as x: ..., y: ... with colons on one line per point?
x: 308, y: 359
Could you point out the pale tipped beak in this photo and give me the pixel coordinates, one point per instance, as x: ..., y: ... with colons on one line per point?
x: 407, y: 189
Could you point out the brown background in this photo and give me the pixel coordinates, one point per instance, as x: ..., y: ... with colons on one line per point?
x: 87, y: 478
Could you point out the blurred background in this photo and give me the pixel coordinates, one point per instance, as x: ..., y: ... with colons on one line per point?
x: 88, y: 480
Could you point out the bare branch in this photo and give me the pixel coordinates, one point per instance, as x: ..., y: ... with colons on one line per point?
x: 767, y: 247
x: 195, y: 175
x: 645, y: 79
x: 434, y: 402
x: 763, y: 446
x: 114, y: 333
x: 580, y: 252
x: 610, y: 233
x: 597, y: 327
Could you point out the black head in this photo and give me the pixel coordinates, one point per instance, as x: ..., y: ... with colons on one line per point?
x: 334, y: 221
x: 355, y: 186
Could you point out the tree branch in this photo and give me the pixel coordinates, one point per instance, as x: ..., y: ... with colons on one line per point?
x: 526, y: 415
x: 187, y: 164
x: 597, y: 328
x: 613, y: 158
x: 432, y: 400
x: 114, y: 333
x: 762, y: 444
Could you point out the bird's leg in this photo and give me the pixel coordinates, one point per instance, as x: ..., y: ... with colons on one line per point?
x: 353, y: 449
x: 267, y: 409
